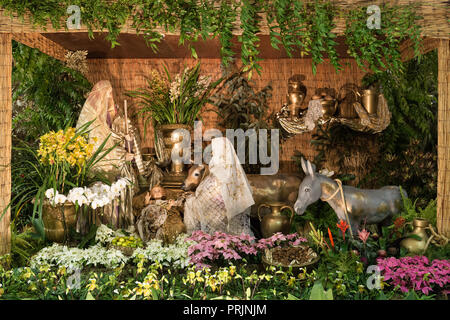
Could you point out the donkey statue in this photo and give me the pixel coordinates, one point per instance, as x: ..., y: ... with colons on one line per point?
x: 363, y: 206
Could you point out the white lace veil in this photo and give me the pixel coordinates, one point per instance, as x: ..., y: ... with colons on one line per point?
x: 225, y: 166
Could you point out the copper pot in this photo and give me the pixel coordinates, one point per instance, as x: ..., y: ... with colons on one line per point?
x: 58, y: 220
x: 275, y: 221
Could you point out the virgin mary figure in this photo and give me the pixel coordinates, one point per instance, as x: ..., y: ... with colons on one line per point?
x: 223, y: 199
x: 107, y: 124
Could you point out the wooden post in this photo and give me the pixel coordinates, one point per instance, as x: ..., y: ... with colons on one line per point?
x: 443, y: 191
x: 5, y: 140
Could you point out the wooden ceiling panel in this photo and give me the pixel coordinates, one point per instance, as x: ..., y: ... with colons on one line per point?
x: 134, y: 46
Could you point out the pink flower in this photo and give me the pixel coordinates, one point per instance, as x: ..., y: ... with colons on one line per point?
x: 363, y: 235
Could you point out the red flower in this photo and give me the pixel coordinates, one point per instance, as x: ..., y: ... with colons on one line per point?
x: 331, y: 237
x: 399, y: 222
x: 343, y: 226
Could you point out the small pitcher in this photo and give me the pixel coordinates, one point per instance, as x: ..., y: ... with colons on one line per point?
x: 415, y: 245
x: 275, y: 222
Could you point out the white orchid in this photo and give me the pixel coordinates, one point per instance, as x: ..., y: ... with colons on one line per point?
x: 50, y: 193
x: 60, y: 199
x: 97, y: 196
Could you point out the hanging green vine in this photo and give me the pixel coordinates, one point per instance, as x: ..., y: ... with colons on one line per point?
x: 378, y: 49
x: 304, y: 26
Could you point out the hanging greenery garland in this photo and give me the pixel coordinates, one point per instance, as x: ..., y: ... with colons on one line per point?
x: 304, y: 26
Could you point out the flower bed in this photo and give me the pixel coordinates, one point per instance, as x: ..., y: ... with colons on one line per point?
x: 415, y: 273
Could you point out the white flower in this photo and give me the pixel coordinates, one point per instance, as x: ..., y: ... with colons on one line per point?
x: 50, y: 193
x: 95, y: 204
x: 115, y: 188
x: 60, y: 199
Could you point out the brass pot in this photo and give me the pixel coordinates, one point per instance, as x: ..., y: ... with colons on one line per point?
x: 328, y: 107
x: 369, y: 100
x: 414, y: 245
x: 275, y: 221
x: 173, y: 140
x: 54, y: 218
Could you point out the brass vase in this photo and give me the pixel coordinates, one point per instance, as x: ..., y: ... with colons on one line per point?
x: 296, y: 95
x: 415, y: 245
x: 58, y: 220
x: 275, y: 221
x: 172, y: 142
x: 369, y: 100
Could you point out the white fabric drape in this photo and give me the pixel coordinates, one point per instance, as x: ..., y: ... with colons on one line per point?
x: 225, y: 165
x: 222, y: 200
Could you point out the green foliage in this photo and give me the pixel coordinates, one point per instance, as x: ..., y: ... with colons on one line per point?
x: 321, y: 214
x: 240, y: 106
x: 378, y: 49
x: 319, y: 293
x: 411, y: 211
x: 298, y: 24
x: 23, y: 246
x: 46, y: 94
x: 412, y: 100
x: 179, y: 102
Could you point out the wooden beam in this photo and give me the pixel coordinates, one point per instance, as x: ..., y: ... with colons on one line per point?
x: 5, y: 140
x: 407, y: 50
x: 443, y: 188
x: 43, y: 44
x: 435, y: 22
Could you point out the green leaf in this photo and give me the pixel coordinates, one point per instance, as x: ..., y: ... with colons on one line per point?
x: 89, y: 296
x: 319, y: 293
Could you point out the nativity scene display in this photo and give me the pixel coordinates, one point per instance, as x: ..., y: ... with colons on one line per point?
x: 266, y: 158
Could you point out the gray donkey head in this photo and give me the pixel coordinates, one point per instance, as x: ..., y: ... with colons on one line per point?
x: 310, y: 190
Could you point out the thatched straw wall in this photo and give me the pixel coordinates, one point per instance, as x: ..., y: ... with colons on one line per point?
x: 5, y: 140
x: 443, y: 191
x: 128, y: 74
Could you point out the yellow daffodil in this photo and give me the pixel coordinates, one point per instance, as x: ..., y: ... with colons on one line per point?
x: 92, y: 285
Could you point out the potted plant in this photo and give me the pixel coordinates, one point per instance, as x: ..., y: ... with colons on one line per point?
x: 171, y: 104
x: 64, y: 161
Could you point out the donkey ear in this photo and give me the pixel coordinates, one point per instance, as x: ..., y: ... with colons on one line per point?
x: 305, y: 169
x: 311, y: 170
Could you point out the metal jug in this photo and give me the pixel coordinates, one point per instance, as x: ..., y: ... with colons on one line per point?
x: 275, y: 221
x: 415, y: 245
